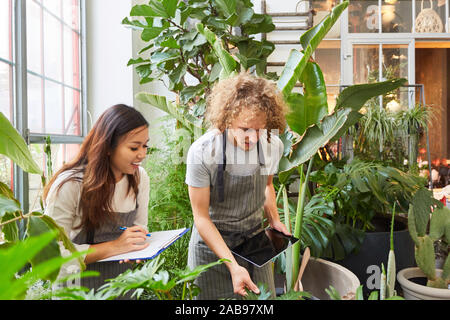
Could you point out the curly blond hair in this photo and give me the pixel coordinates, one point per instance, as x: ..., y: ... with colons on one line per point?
x: 230, y: 96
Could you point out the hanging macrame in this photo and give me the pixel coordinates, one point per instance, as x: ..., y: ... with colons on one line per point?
x: 428, y: 20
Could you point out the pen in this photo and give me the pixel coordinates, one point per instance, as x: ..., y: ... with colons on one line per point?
x: 123, y: 229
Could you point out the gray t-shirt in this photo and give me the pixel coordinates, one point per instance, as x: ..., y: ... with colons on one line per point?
x: 205, y: 154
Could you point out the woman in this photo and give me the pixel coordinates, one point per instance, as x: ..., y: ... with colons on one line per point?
x: 102, y: 190
x: 229, y: 174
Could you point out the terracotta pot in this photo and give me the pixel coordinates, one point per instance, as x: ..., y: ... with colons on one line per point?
x: 414, y: 291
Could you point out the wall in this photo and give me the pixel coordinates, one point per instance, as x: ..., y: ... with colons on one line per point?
x: 109, y: 47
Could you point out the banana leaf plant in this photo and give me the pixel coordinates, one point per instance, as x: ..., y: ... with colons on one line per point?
x: 308, y: 117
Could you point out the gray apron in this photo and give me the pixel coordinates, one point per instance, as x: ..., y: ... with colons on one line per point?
x: 236, y: 208
x: 108, y: 231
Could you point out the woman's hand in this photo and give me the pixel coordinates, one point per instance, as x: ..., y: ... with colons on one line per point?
x: 131, y: 239
x: 241, y: 280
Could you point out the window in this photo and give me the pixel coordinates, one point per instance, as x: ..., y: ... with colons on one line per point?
x: 398, y: 16
x: 41, y: 87
x: 54, y: 93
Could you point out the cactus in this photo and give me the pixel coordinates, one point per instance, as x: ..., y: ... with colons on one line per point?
x: 387, y: 283
x: 421, y: 215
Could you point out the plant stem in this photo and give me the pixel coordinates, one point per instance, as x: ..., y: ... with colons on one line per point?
x: 299, y: 219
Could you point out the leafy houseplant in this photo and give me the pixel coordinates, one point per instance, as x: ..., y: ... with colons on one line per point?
x: 358, y: 193
x: 308, y: 117
x: 383, y: 135
x: 180, y: 53
x: 38, y: 247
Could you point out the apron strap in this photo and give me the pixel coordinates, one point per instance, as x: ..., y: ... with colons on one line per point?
x: 220, y: 184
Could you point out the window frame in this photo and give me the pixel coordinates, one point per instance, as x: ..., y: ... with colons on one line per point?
x: 20, y: 103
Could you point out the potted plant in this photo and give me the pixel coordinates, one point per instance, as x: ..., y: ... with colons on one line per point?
x: 428, y: 222
x: 313, y: 126
x: 360, y: 194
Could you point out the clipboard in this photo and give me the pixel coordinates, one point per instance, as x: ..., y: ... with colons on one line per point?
x: 264, y: 246
x: 159, y: 241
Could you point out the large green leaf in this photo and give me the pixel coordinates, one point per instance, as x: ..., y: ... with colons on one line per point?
x: 333, y: 126
x: 314, y: 139
x: 226, y: 59
x: 35, y: 227
x: 160, y: 102
x: 14, y: 147
x: 14, y: 258
x: 356, y: 96
x: 8, y: 205
x: 310, y: 108
x: 292, y: 71
x: 310, y: 40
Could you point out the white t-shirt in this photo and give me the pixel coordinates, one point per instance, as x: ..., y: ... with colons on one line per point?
x: 205, y: 154
x: 63, y: 206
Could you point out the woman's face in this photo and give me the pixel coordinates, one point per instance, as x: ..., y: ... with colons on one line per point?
x: 246, y: 129
x: 129, y: 153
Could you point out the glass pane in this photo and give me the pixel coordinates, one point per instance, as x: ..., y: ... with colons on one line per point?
x: 6, y: 17
x: 71, y: 58
x: 328, y: 56
x: 6, y: 90
x: 52, y: 47
x: 6, y: 173
x: 60, y: 154
x: 35, y: 104
x: 54, y: 6
x: 34, y: 37
x: 395, y: 65
x: 71, y: 14
x: 363, y: 16
x: 323, y: 8
x: 365, y: 63
x: 396, y: 16
x: 72, y: 112
x: 430, y: 16
x: 53, y: 108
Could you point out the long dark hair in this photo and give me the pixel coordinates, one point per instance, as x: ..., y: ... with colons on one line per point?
x: 93, y: 161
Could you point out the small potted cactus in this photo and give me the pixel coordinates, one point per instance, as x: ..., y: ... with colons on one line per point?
x: 427, y: 225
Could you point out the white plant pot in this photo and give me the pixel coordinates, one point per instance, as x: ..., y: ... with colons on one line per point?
x: 321, y: 274
x: 414, y: 291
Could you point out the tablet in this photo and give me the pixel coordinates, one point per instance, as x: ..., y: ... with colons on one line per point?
x: 264, y: 246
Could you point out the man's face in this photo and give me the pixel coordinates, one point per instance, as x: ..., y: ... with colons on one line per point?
x: 247, y: 128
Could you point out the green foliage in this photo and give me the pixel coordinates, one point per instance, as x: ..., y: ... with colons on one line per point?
x: 14, y: 147
x: 265, y: 294
x: 356, y: 193
x: 192, y: 40
x: 429, y: 223
x: 383, y: 135
x: 14, y: 257
x: 161, y: 283
x: 169, y: 205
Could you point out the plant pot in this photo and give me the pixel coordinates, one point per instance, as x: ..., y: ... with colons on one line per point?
x: 366, y: 263
x: 321, y: 274
x: 414, y: 291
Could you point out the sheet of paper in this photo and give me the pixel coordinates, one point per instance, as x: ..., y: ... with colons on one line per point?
x: 158, y: 241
